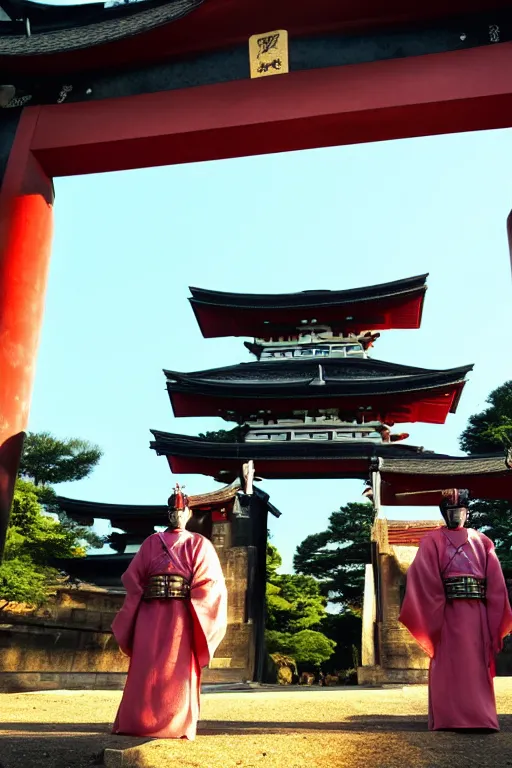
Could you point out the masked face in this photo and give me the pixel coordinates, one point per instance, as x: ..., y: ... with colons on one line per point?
x: 455, y: 517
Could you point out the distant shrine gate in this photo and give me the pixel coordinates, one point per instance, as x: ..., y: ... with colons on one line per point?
x: 95, y: 89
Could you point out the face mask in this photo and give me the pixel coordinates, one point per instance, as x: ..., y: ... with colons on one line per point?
x: 455, y: 517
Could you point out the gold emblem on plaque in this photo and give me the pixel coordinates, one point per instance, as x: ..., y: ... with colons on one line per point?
x: 268, y: 53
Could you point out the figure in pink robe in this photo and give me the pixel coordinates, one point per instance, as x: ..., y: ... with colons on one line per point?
x: 172, y: 620
x: 456, y: 607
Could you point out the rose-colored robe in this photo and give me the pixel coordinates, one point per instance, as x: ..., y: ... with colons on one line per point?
x: 169, y: 641
x: 460, y: 636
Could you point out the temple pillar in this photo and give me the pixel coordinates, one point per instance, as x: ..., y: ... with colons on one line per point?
x: 369, y: 618
x: 26, y: 201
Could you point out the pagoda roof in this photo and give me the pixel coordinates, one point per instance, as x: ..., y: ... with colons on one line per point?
x: 352, y: 387
x: 397, y: 304
x: 275, y: 460
x: 420, y: 481
x: 86, y: 512
x: 140, y: 518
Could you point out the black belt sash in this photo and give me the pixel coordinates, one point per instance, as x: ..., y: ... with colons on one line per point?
x: 465, y: 588
x: 167, y: 586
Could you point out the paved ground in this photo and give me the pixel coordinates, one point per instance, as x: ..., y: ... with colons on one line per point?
x: 266, y: 728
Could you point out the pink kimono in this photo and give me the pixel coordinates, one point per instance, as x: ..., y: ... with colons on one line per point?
x: 461, y: 636
x: 170, y: 640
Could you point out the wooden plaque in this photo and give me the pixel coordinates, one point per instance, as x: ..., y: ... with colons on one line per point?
x: 268, y: 53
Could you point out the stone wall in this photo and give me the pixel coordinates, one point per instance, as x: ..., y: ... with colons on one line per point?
x: 68, y: 643
x: 401, y: 660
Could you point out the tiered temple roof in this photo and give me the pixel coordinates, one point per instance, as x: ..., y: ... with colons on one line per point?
x: 128, y: 516
x: 347, y: 459
x: 352, y: 387
x: 398, y: 304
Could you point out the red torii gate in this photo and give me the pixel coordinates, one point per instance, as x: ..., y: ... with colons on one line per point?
x: 453, y: 91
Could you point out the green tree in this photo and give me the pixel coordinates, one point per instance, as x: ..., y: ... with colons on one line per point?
x: 297, y: 605
x: 295, y: 612
x: 34, y: 540
x: 48, y: 461
x: 307, y: 647
x: 344, y: 629
x: 337, y: 556
x: 493, y: 519
x: 490, y: 430
x: 235, y: 435
x: 310, y: 647
x: 294, y: 601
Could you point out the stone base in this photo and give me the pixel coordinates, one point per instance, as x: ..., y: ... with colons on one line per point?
x: 381, y: 676
x: 23, y: 682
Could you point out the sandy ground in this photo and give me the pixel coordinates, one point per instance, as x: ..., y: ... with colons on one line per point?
x: 265, y: 728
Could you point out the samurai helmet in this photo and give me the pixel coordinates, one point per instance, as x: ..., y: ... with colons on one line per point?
x: 454, y: 503
x: 177, y: 500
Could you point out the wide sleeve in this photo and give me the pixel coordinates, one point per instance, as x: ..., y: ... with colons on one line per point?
x: 423, y: 606
x: 133, y: 580
x: 208, y: 600
x: 499, y: 615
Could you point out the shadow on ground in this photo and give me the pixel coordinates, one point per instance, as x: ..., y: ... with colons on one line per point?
x: 356, y: 723
x: 80, y: 745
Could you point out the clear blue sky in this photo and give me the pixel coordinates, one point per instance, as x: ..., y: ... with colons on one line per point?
x: 128, y: 245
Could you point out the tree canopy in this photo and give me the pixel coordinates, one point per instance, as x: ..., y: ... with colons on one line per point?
x: 295, y: 612
x: 337, y: 556
x: 33, y: 541
x: 46, y: 460
x: 235, y: 435
x: 294, y: 601
x: 490, y: 430
x: 494, y: 519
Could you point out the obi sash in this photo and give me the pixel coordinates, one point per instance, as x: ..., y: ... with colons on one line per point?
x: 464, y: 588
x: 166, y: 586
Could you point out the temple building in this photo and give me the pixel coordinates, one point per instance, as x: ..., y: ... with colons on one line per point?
x: 313, y: 404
